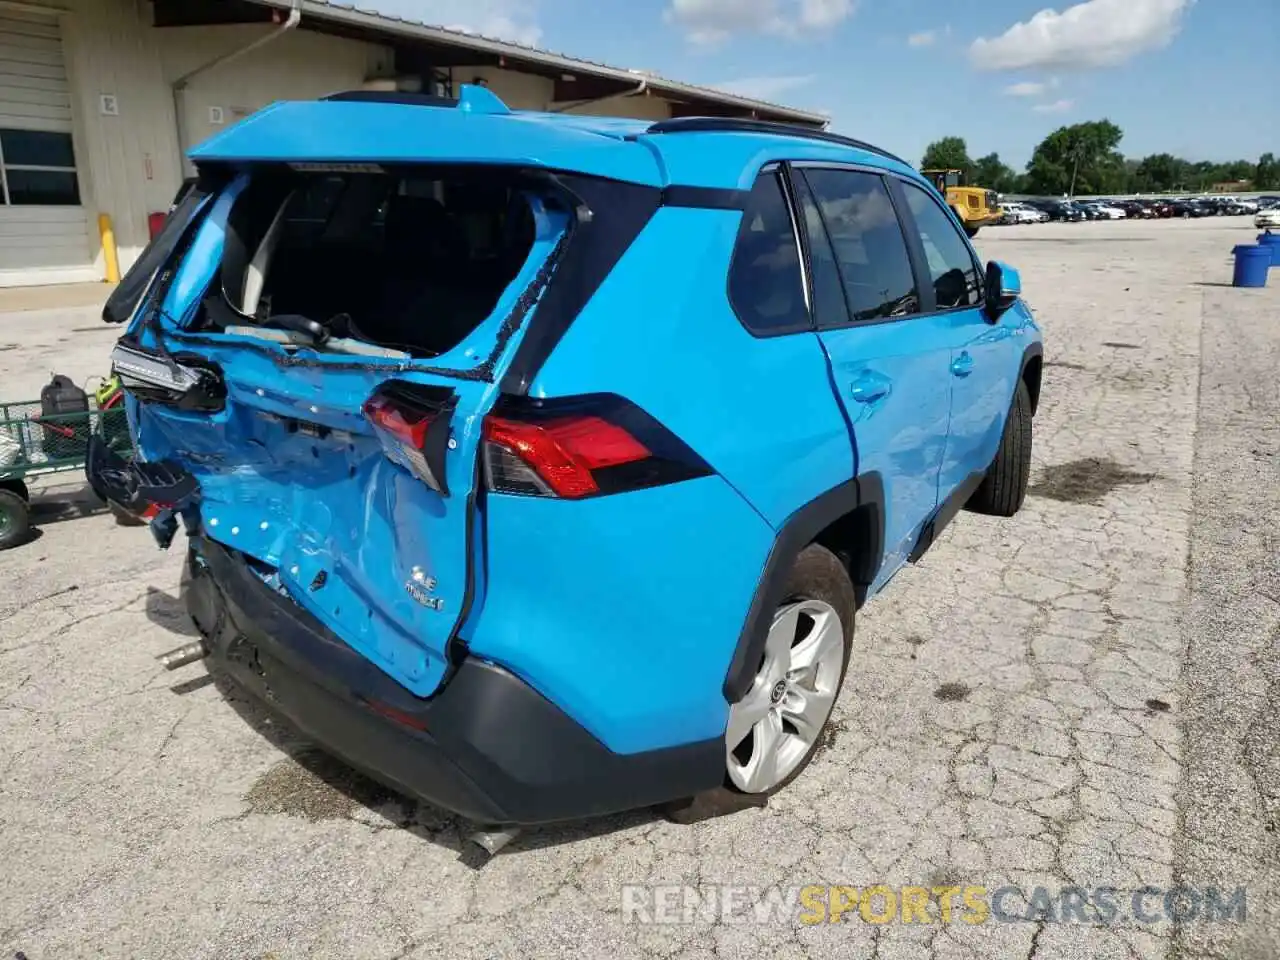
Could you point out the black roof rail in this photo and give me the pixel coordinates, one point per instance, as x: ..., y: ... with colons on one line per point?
x: 739, y: 125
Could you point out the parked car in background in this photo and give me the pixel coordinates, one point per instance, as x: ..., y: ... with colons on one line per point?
x: 1188, y: 209
x: 1268, y: 219
x: 1136, y: 208
x: 1110, y: 211
x: 1058, y: 210
x: 1016, y: 212
x: 1217, y: 206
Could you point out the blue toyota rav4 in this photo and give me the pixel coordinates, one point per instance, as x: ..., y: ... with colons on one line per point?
x: 536, y: 464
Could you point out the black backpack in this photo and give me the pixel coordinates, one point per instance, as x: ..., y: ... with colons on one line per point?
x: 69, y: 436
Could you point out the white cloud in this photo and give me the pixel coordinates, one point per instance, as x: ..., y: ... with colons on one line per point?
x: 712, y: 21
x: 817, y: 14
x: 1028, y: 89
x: 1058, y: 106
x: 709, y: 22
x: 515, y: 21
x: 766, y: 88
x: 927, y: 38
x: 1097, y: 33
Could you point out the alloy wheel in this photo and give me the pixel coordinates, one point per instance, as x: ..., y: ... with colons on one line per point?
x: 774, y: 727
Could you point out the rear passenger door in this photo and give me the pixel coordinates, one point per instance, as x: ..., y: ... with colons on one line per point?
x: 888, y: 359
x: 985, y: 356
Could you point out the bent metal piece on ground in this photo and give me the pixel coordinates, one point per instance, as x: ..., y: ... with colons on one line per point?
x: 542, y: 489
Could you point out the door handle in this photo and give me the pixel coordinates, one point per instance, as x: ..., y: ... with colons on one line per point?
x: 962, y: 365
x: 869, y: 387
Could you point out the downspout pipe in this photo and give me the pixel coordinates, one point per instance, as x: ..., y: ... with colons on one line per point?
x: 184, y: 81
x: 641, y: 88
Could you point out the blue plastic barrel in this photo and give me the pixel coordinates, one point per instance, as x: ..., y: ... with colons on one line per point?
x: 1252, y: 263
x: 1271, y: 240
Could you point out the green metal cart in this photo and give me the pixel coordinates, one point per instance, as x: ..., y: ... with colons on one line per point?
x: 33, y: 444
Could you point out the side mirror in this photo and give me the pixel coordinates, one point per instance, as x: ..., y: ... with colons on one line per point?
x: 1004, y: 287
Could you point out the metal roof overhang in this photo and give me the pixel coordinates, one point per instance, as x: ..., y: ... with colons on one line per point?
x: 421, y: 45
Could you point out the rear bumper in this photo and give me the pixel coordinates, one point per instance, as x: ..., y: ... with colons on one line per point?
x: 487, y: 746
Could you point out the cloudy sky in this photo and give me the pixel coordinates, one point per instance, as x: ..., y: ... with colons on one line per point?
x: 1199, y: 79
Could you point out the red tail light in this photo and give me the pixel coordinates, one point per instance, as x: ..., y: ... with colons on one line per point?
x: 581, y: 447
x: 412, y: 422
x: 385, y: 415
x: 563, y: 453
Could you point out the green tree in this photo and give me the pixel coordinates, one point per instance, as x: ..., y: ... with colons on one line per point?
x: 1082, y: 158
x: 994, y: 174
x: 1200, y: 174
x: 1266, y: 175
x: 1160, y: 173
x: 1236, y: 170
x: 949, y: 153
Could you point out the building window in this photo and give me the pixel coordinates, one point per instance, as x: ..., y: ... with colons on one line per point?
x: 38, y: 168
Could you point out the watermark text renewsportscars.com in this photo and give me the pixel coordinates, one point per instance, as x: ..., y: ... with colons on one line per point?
x: 971, y: 904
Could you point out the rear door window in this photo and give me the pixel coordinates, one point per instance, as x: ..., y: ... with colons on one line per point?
x: 855, y: 211
x: 957, y: 281
x: 766, y: 282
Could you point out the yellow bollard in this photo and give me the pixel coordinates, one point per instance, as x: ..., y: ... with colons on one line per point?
x: 109, y: 247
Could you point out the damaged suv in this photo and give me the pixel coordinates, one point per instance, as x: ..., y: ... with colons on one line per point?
x: 537, y: 465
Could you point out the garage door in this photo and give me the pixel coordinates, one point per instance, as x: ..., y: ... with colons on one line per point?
x: 43, y: 226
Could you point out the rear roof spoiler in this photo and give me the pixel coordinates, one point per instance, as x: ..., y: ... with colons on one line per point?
x: 369, y: 127
x: 472, y: 98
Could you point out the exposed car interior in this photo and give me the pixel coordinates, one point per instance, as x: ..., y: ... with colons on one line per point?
x: 412, y: 261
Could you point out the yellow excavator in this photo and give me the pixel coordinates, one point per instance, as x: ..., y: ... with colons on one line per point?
x: 974, y: 207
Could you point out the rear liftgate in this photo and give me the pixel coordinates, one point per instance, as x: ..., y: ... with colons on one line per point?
x: 346, y: 482
x: 345, y: 478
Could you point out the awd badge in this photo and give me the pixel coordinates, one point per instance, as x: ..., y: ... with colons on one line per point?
x: 419, y: 586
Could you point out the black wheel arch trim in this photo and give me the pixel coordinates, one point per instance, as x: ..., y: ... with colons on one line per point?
x: 1034, y: 351
x: 797, y: 532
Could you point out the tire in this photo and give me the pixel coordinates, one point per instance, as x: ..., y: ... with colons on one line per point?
x: 18, y: 487
x: 971, y: 232
x: 15, y: 520
x: 1004, y: 487
x: 818, y: 589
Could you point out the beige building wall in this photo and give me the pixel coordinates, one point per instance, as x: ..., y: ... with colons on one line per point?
x: 298, y: 66
x: 637, y: 108
x: 126, y: 162
x: 119, y: 74
x: 519, y: 91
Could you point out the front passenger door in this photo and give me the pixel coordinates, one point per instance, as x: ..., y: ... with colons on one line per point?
x: 889, y: 362
x: 984, y: 356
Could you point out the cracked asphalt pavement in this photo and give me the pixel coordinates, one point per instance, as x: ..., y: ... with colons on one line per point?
x: 1086, y: 695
